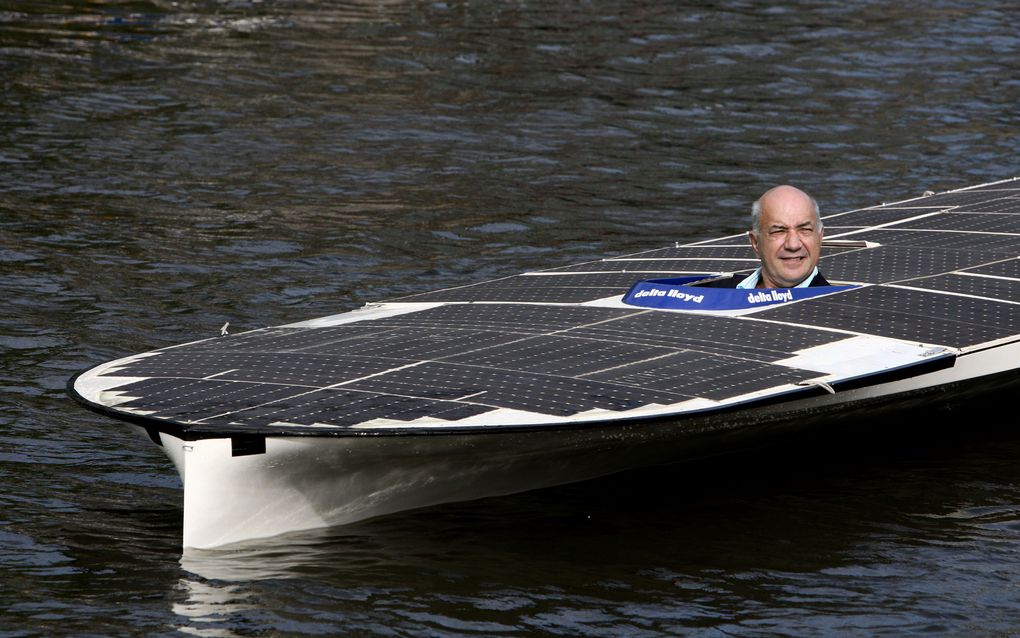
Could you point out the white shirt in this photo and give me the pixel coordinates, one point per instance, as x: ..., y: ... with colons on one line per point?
x: 751, y: 281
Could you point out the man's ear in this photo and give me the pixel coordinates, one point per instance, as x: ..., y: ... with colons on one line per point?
x: 754, y: 242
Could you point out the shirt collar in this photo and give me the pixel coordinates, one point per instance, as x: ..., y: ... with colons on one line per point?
x: 751, y: 281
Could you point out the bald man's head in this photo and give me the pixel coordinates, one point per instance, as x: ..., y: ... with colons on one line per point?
x: 786, y: 234
x: 783, y: 196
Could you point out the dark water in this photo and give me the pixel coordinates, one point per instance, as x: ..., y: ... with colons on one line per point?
x: 167, y: 166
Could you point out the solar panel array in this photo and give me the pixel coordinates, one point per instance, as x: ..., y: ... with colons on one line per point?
x: 945, y: 271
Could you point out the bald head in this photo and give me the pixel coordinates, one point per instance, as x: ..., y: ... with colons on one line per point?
x: 786, y: 234
x: 783, y: 198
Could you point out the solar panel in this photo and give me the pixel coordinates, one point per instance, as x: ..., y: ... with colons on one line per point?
x: 968, y: 284
x: 968, y: 198
x: 728, y: 336
x: 969, y: 245
x: 704, y: 375
x: 878, y: 216
x: 924, y: 316
x: 743, y: 251
x: 1006, y: 268
x: 549, y: 288
x: 1005, y: 205
x: 511, y: 318
x: 886, y: 264
x: 966, y: 222
x: 665, y: 265
x: 560, y: 344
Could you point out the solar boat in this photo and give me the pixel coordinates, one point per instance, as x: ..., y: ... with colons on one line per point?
x: 576, y: 372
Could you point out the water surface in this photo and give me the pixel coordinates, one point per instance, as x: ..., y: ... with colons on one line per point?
x: 167, y: 167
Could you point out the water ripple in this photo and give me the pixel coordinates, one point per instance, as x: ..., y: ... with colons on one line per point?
x: 171, y: 166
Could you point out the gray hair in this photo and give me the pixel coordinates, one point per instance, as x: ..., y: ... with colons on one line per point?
x: 756, y: 215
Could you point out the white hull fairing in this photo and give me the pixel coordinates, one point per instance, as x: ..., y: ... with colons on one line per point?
x: 550, y: 377
x: 301, y: 483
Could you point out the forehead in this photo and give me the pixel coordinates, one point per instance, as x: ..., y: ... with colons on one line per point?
x: 787, y: 214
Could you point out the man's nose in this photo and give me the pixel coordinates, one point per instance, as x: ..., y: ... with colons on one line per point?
x: 792, y: 241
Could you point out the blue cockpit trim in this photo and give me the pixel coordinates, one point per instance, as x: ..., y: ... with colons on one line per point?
x: 677, y: 293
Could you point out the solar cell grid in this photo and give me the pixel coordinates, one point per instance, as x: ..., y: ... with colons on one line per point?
x: 520, y: 294
x: 677, y: 266
x: 241, y: 341
x: 877, y: 216
x: 407, y: 344
x: 346, y: 408
x: 1003, y: 268
x: 992, y: 288
x: 925, y: 317
x: 974, y: 243
x: 1007, y: 205
x: 742, y: 251
x: 536, y: 288
x: 290, y: 339
x: 314, y: 370
x: 198, y: 399
x: 286, y: 368
x: 545, y: 394
x: 596, y: 280
x: 725, y: 336
x: 326, y: 338
x: 733, y: 242
x: 832, y: 249
x: 708, y: 376
x: 971, y: 222
x: 560, y: 355
x: 523, y: 319
x: 178, y: 362
x: 969, y: 197
x: 887, y: 264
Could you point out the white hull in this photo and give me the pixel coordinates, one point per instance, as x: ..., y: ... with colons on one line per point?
x: 302, y: 483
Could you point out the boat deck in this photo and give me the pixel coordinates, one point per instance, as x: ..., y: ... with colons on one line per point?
x: 939, y: 276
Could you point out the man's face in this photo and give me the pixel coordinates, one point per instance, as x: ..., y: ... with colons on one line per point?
x: 789, y: 243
